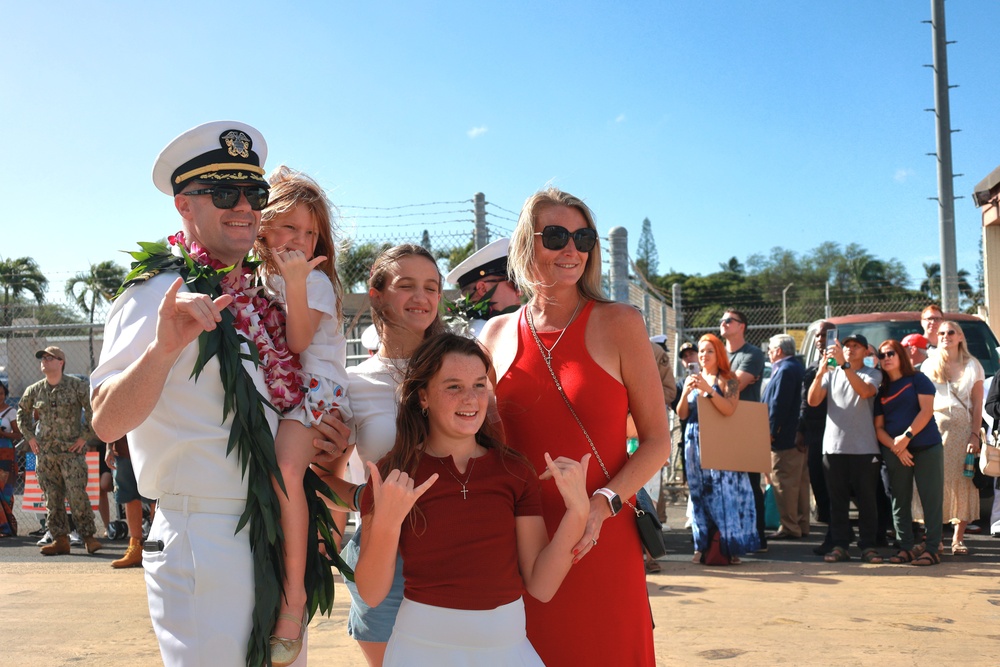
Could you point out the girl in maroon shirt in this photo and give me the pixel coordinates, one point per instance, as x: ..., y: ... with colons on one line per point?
x: 464, y: 510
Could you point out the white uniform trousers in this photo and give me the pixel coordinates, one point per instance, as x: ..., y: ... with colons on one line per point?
x: 200, y: 589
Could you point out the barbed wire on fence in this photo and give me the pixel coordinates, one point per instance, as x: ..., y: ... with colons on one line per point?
x: 505, y: 210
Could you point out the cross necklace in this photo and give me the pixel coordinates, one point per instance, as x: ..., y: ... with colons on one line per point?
x: 547, y: 351
x: 464, y: 491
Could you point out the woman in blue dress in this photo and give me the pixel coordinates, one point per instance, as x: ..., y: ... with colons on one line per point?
x: 720, y: 499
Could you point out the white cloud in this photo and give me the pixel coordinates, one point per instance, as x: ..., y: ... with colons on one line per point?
x: 620, y: 118
x: 903, y: 175
x: 477, y: 131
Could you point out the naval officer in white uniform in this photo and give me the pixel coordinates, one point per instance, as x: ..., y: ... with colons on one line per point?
x: 198, y: 569
x: 487, y: 290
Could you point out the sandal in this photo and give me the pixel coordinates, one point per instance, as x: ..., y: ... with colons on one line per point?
x: 871, y: 556
x: 926, y: 558
x: 959, y: 549
x: 837, y: 555
x: 903, y: 556
x: 652, y: 567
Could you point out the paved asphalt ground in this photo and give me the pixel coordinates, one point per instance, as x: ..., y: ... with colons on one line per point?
x: 785, y: 607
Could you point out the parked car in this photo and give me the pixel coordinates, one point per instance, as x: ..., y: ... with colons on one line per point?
x: 877, y: 327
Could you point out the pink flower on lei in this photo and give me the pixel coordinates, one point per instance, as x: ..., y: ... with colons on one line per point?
x: 258, y: 319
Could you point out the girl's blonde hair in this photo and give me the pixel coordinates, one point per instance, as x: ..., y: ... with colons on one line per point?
x: 290, y: 188
x: 937, y: 368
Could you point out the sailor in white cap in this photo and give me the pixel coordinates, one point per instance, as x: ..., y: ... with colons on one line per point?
x: 200, y: 573
x: 486, y: 288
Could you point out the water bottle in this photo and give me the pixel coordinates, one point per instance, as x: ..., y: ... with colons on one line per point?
x: 970, y: 465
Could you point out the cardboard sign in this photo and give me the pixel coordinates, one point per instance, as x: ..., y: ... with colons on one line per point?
x: 740, y: 442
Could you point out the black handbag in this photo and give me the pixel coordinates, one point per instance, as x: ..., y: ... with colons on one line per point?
x: 650, y: 528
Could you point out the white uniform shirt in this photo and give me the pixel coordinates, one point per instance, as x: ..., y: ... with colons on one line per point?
x: 181, y: 447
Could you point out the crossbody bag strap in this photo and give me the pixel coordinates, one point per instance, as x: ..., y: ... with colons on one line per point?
x: 593, y: 448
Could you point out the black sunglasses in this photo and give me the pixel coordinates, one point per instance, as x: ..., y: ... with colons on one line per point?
x: 730, y: 320
x: 555, y: 237
x: 888, y: 354
x: 226, y: 196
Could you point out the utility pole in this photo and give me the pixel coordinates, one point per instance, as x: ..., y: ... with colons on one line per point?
x: 946, y: 193
x: 482, y: 235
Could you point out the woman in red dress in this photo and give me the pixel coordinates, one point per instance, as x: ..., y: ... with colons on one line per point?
x: 599, y: 351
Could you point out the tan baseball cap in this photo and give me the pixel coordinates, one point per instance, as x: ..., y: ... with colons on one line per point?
x: 53, y: 350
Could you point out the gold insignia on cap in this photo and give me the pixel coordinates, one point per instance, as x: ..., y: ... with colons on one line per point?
x: 237, y: 143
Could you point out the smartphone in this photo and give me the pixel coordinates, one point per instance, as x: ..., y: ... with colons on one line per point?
x: 693, y: 367
x: 831, y: 340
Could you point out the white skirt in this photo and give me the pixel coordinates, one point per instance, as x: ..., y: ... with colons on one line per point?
x: 427, y: 636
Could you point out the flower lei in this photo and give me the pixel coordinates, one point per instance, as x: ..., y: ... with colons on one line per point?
x: 250, y: 435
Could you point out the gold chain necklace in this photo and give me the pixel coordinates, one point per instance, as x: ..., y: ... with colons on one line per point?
x: 547, y: 351
x: 464, y: 491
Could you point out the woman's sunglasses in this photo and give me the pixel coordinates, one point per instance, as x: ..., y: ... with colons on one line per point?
x: 888, y: 354
x: 555, y: 237
x: 226, y: 196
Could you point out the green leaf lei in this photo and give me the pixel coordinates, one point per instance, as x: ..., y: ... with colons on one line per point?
x: 457, y: 315
x: 251, y: 437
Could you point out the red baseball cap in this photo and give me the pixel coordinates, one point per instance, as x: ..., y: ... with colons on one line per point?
x: 916, y: 340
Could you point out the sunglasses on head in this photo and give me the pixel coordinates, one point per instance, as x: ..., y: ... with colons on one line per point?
x: 888, y: 354
x: 226, y: 196
x: 555, y: 237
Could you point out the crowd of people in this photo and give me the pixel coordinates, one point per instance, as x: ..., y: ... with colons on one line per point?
x: 888, y: 428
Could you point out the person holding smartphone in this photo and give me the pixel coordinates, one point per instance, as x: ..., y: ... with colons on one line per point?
x: 850, y: 448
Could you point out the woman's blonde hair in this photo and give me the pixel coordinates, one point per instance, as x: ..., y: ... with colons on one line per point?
x: 521, y: 253
x: 290, y: 188
x: 937, y: 368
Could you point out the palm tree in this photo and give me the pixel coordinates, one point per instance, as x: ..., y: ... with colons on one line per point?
x: 931, y: 286
x: 101, y: 282
x: 733, y: 266
x: 18, y: 276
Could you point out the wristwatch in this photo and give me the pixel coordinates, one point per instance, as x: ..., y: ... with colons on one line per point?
x: 846, y: 365
x: 909, y: 434
x: 613, y: 499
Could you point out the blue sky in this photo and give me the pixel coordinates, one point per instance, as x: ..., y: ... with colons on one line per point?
x: 734, y: 126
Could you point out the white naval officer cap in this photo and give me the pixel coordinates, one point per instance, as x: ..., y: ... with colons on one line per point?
x: 221, y: 151
x: 490, y: 260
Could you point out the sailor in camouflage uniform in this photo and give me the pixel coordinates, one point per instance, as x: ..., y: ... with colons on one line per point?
x: 54, y: 415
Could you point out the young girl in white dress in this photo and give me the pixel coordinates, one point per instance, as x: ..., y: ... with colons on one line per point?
x: 464, y: 510
x: 297, y: 247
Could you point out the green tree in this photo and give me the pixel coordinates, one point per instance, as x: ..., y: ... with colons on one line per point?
x: 18, y: 276
x: 425, y: 241
x: 355, y: 262
x: 647, y: 259
x: 456, y: 254
x: 931, y: 285
x: 733, y: 266
x: 100, y: 283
